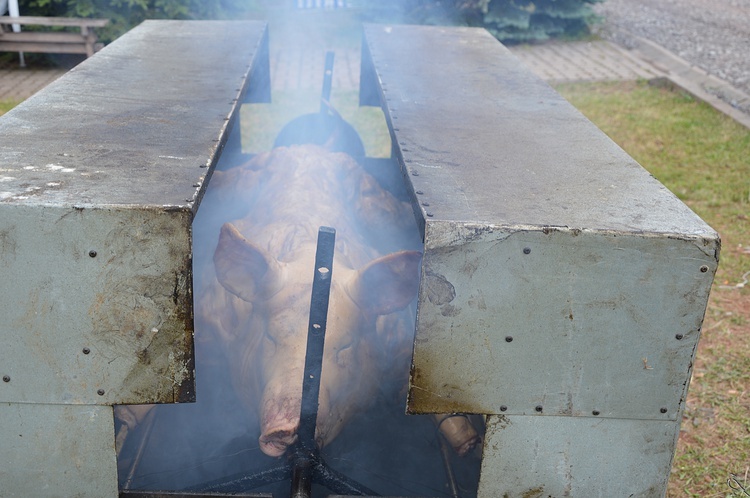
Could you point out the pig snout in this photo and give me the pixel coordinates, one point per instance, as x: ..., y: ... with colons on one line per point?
x: 279, y: 424
x: 280, y: 418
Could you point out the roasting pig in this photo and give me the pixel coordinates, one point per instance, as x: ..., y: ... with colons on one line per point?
x: 255, y: 286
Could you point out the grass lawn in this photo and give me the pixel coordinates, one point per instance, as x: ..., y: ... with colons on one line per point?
x: 7, y: 105
x: 704, y: 158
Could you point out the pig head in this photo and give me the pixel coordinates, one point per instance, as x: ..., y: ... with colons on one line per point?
x: 264, y: 268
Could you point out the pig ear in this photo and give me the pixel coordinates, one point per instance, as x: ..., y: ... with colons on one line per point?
x: 387, y: 284
x: 243, y: 268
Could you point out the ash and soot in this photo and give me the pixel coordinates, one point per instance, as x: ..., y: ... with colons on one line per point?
x: 254, y: 259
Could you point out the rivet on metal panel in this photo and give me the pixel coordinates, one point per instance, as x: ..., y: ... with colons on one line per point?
x: 679, y: 337
x: 426, y: 204
x: 503, y: 408
x: 6, y: 378
x: 508, y: 339
x: 92, y: 253
x: 595, y: 413
x: 407, y: 160
x: 539, y: 408
x: 419, y: 192
x: 414, y: 173
x: 86, y: 350
x: 404, y: 149
x: 704, y: 269
x: 429, y: 214
x: 203, y: 166
x: 527, y: 250
x: 196, y: 185
x: 100, y: 392
x: 663, y: 410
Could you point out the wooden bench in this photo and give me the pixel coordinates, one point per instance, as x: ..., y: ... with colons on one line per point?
x: 58, y: 42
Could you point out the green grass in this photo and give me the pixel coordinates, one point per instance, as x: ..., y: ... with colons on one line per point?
x: 699, y: 154
x: 262, y: 122
x: 7, y: 105
x: 704, y: 158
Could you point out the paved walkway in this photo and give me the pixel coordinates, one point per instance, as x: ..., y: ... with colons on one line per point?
x: 556, y: 62
x: 20, y: 84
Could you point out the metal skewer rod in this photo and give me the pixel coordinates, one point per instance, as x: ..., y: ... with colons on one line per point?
x: 325, y: 95
x: 316, y: 332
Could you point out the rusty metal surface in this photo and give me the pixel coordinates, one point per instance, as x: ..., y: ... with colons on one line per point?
x: 574, y: 323
x: 97, y: 305
x: 56, y: 450
x: 101, y: 172
x: 563, y: 288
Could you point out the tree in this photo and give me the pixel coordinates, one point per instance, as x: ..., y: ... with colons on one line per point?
x: 510, y: 21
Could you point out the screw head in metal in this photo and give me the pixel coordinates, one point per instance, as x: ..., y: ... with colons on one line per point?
x: 527, y: 250
x: 539, y: 408
x: 679, y: 337
x: 100, y: 392
x: 6, y: 378
x: 86, y: 350
x: 429, y: 214
x: 503, y: 408
x: 508, y: 338
x: 92, y: 253
x: 426, y: 204
x: 419, y: 192
x: 704, y: 269
x: 595, y: 413
x: 663, y: 410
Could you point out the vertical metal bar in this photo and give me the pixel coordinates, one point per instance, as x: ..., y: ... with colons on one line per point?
x: 316, y: 336
x: 302, y: 475
x: 445, y: 452
x: 325, y: 95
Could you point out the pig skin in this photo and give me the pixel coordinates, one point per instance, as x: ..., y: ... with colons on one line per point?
x: 459, y: 432
x: 255, y: 297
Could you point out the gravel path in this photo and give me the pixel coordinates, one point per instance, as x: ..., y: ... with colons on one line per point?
x: 711, y: 34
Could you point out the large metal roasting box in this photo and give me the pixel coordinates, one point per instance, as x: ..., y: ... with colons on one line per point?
x: 563, y: 288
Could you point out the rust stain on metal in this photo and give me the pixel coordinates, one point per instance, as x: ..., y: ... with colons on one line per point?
x: 144, y: 312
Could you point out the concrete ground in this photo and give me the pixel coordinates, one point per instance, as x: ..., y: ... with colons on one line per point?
x: 555, y: 62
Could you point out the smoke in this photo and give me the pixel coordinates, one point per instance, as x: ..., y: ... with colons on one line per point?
x: 251, y: 315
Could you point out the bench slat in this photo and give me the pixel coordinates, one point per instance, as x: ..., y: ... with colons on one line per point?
x: 44, y: 48
x: 55, y: 21
x: 42, y: 37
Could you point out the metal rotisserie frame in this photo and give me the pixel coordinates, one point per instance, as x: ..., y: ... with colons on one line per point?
x: 563, y: 288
